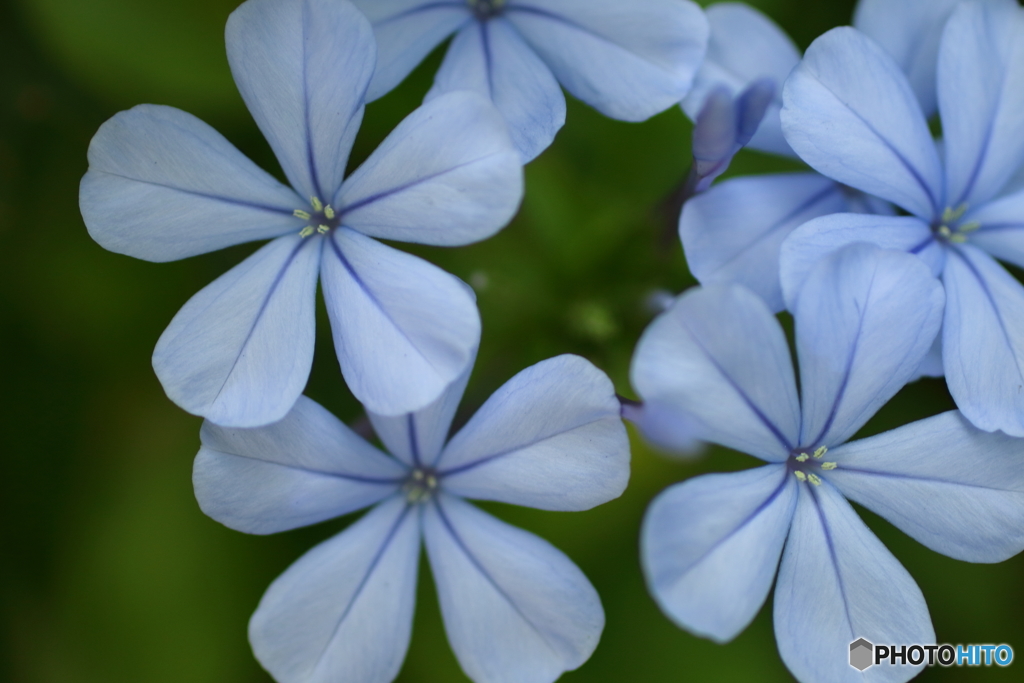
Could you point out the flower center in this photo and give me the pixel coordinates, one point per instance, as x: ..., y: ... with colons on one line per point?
x: 485, y: 9
x: 420, y: 485
x: 322, y: 219
x: 805, y: 466
x: 950, y: 229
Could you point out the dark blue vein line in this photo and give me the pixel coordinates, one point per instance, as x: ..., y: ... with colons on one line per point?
x: 832, y: 555
x: 414, y: 446
x: 390, y: 481
x: 263, y: 307
x: 485, y: 45
x: 917, y: 249
x: 204, y: 195
x: 310, y: 156
x: 480, y: 568
x: 362, y: 583
x: 914, y: 477
x: 425, y: 8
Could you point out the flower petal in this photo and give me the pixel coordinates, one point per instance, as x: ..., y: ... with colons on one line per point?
x: 551, y: 438
x: 849, y: 112
x: 163, y: 185
x: 710, y: 547
x: 343, y: 611
x: 403, y: 329
x: 983, y: 341
x: 515, y: 608
x: 302, y: 67
x: 865, y: 319
x: 825, y: 235
x: 406, y: 32
x: 1002, y: 227
x: 943, y: 481
x: 732, y: 232
x: 837, y: 583
x: 910, y: 31
x: 744, y: 46
x: 628, y: 61
x: 301, y: 470
x: 239, y: 352
x: 417, y: 438
x: 981, y: 95
x: 666, y: 428
x: 447, y: 175
x: 720, y: 356
x: 491, y: 59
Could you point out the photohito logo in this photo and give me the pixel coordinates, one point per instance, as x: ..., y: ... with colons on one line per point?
x: 864, y: 654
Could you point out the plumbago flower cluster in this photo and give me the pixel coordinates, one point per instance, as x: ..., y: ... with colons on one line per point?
x: 888, y: 241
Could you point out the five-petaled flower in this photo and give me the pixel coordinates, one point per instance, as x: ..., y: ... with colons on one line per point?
x: 630, y: 60
x: 710, y: 546
x: 851, y: 113
x: 516, y: 609
x: 162, y: 185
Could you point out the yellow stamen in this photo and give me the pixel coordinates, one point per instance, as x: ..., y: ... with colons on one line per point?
x: 322, y: 229
x: 329, y: 212
x: 829, y: 465
x: 317, y: 204
x: 802, y: 457
x: 800, y: 475
x: 304, y: 215
x: 822, y: 450
x: 814, y: 479
x: 306, y: 231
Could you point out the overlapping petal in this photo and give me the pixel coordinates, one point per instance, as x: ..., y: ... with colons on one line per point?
x: 849, y: 112
x: 744, y: 46
x: 515, y: 608
x: 983, y: 340
x: 943, y: 481
x: 239, y: 351
x: 666, y: 427
x: 701, y: 356
x: 732, y: 232
x: 629, y: 61
x: 447, y: 175
x: 417, y: 438
x: 163, y: 185
x: 816, y: 239
x: 403, y: 329
x: 492, y: 59
x: 910, y: 31
x: 710, y: 547
x: 406, y: 32
x: 303, y: 68
x: 865, y: 318
x: 981, y: 95
x: 1002, y: 227
x: 549, y: 438
x: 837, y: 583
x: 301, y: 470
x: 343, y: 611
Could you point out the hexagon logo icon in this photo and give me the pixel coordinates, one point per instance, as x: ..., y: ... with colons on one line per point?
x: 861, y: 654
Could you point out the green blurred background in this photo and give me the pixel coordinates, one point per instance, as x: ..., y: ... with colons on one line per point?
x: 109, y: 571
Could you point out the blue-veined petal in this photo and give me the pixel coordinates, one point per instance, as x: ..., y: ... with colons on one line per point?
x: 816, y: 239
x: 163, y: 185
x: 417, y: 438
x: 732, y: 232
x: 849, y: 112
x: 744, y: 46
x: 403, y: 329
x: 551, y: 438
x: 865, y: 318
x: 239, y: 352
x: 629, y: 61
x: 301, y: 470
x: 838, y: 583
x: 981, y: 95
x: 983, y: 340
x: 302, y: 67
x: 343, y: 611
x: 448, y: 175
x: 490, y: 58
x: 710, y: 547
x: 406, y: 32
x: 909, y: 30
x: 953, y: 487
x: 720, y: 356
x: 515, y: 608
x: 1002, y: 227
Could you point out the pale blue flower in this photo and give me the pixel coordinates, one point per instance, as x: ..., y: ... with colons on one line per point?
x: 163, y: 185
x: 851, y: 114
x: 711, y: 545
x: 629, y: 60
x: 516, y: 610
